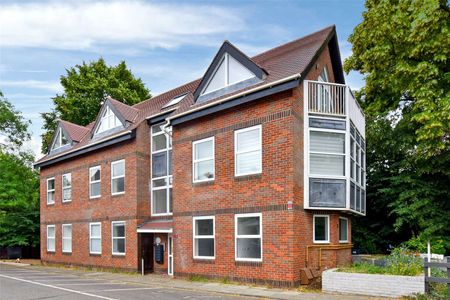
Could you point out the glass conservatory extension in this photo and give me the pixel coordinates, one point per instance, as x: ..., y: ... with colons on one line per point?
x: 335, y: 149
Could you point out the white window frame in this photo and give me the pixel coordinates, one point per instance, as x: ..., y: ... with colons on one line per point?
x: 95, y: 237
x: 108, y: 118
x: 115, y: 177
x: 64, y: 239
x: 339, y: 234
x: 236, y: 153
x: 194, y: 161
x: 194, y: 236
x: 326, y: 176
x: 59, y: 137
x: 236, y: 236
x: 175, y: 100
x: 327, y: 241
x: 51, y: 190
x: 51, y: 238
x: 124, y: 238
x: 63, y: 188
x: 95, y: 181
x: 168, y: 177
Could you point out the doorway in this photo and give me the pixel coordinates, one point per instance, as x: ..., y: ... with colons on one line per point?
x: 170, y: 254
x: 147, y: 251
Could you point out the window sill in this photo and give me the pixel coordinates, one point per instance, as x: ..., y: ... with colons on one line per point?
x: 343, y: 242
x: 95, y: 254
x: 248, y: 263
x: 118, y: 255
x: 321, y: 242
x: 203, y: 183
x: 66, y: 202
x: 51, y: 204
x: 117, y: 195
x: 205, y: 260
x: 247, y: 177
x: 95, y: 198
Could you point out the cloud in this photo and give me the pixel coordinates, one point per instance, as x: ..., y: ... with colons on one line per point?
x: 52, y: 86
x: 93, y: 25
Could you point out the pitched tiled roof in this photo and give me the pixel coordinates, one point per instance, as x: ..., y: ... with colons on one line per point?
x: 76, y: 132
x: 285, y: 61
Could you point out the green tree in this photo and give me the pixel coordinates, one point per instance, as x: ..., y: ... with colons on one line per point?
x: 85, y: 87
x: 402, y: 48
x: 13, y: 127
x: 19, y: 183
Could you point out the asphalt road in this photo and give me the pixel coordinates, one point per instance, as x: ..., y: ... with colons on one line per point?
x: 23, y: 284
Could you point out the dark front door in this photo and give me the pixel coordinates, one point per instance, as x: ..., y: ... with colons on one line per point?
x: 147, y: 251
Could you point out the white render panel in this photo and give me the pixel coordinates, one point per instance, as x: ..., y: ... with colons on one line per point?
x: 371, y: 284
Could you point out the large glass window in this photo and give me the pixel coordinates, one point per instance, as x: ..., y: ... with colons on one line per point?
x: 118, y: 238
x: 204, y: 233
x: 95, y: 182
x: 321, y: 228
x: 60, y: 139
x: 50, y: 238
x: 108, y: 121
x: 343, y: 230
x: 67, y: 187
x: 248, y: 151
x: 248, y: 235
x: 161, y: 170
x: 67, y: 238
x: 95, y: 238
x: 118, y: 177
x: 203, y: 160
x: 51, y: 190
x: 327, y: 153
x: 357, y: 170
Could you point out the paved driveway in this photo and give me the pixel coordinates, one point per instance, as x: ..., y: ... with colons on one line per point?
x: 18, y: 283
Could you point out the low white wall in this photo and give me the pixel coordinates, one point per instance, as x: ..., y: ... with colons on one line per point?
x: 372, y: 284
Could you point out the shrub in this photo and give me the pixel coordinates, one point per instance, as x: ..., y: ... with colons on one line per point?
x: 404, y: 262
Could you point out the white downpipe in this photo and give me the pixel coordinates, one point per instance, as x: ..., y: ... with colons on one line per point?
x: 429, y: 257
x: 142, y: 266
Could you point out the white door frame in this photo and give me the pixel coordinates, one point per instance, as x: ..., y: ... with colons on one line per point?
x: 170, y: 254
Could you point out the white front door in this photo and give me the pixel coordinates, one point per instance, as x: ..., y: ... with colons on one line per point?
x: 170, y: 251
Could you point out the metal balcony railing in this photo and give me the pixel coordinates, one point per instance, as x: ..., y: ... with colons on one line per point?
x: 327, y: 98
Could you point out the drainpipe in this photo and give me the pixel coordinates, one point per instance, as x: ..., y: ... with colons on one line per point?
x: 164, y: 128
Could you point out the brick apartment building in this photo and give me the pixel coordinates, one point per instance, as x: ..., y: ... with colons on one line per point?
x: 252, y: 172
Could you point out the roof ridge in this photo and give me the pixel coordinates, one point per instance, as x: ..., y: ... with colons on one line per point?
x: 286, y: 45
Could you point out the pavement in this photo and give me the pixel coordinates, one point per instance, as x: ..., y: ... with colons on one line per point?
x: 23, y: 282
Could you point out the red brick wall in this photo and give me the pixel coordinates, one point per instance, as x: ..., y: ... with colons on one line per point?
x: 132, y: 207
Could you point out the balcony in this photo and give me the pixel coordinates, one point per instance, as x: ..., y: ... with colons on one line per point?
x: 334, y: 131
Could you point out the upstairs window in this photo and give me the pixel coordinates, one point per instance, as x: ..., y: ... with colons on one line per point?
x: 161, y: 170
x: 108, y: 121
x: 118, y: 177
x: 94, y: 182
x: 203, y: 160
x: 327, y: 153
x: 228, y: 72
x: 67, y: 187
x: 248, y: 151
x: 204, y: 237
x: 60, y: 139
x: 323, y: 76
x: 51, y: 190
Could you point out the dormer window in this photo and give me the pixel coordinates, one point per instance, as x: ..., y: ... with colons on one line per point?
x: 228, y: 72
x: 175, y: 100
x: 108, y: 121
x: 60, y: 140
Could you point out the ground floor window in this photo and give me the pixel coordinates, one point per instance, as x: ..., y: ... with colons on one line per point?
x: 118, y: 237
x: 51, y: 238
x: 343, y: 230
x: 67, y: 238
x: 321, y: 228
x: 204, y: 232
x: 248, y: 237
x: 95, y: 238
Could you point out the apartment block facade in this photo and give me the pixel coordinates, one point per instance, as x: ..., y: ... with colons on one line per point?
x: 253, y: 172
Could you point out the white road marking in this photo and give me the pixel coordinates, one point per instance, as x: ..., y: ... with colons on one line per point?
x: 89, y: 283
x: 58, y: 288
x: 130, y: 289
x: 88, y: 280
